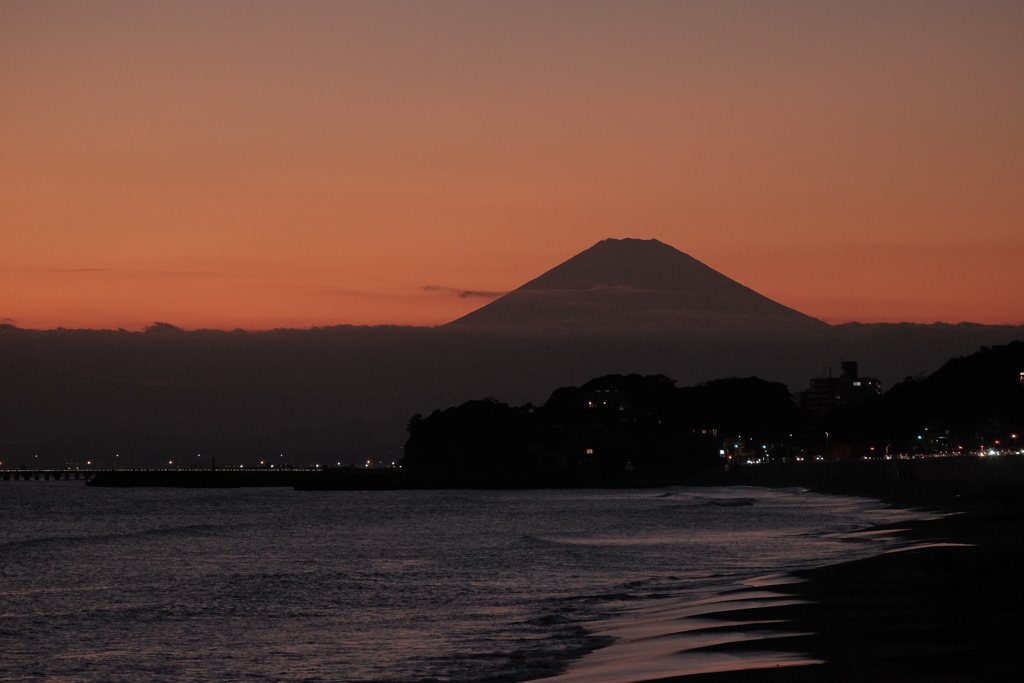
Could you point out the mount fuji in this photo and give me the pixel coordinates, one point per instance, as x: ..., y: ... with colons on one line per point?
x: 621, y: 285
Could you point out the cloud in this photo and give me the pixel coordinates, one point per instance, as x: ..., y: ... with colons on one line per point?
x: 140, y: 274
x: 463, y: 293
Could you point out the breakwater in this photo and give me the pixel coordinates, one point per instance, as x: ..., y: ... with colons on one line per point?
x: 304, y: 479
x: 312, y: 478
x: 46, y: 475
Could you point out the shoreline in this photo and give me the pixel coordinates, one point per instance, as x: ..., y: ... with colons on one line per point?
x: 945, y: 606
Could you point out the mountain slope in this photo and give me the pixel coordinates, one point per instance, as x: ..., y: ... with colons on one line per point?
x: 636, y: 285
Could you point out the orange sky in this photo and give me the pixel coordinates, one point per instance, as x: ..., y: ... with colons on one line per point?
x: 266, y: 164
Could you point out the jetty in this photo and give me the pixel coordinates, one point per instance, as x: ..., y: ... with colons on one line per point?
x: 313, y: 478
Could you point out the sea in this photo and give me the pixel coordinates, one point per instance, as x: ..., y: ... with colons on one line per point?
x: 271, y: 584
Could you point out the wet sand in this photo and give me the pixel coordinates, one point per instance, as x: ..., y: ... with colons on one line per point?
x: 949, y: 607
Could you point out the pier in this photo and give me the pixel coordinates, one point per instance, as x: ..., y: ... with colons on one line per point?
x: 46, y: 475
x: 353, y: 478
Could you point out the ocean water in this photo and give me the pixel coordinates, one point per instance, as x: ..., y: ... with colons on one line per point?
x: 100, y: 584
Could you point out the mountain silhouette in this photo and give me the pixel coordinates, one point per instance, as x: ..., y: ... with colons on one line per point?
x: 635, y: 285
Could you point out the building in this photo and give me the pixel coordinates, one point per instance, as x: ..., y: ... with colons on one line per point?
x: 826, y: 392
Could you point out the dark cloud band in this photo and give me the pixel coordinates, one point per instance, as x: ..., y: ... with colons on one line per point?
x: 463, y: 293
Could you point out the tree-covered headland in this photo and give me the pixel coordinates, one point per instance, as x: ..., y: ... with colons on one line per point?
x: 638, y: 429
x: 616, y: 428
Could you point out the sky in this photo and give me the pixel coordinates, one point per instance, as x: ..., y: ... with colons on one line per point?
x: 256, y: 164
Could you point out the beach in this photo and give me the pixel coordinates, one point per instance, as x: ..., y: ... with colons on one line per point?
x: 947, y: 606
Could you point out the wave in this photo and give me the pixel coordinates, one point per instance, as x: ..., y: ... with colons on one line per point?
x: 530, y: 541
x: 64, y: 541
x: 731, y: 502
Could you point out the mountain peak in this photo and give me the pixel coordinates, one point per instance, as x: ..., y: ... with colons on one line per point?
x: 635, y: 285
x: 637, y: 263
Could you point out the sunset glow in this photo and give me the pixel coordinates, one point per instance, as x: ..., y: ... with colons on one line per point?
x: 268, y: 164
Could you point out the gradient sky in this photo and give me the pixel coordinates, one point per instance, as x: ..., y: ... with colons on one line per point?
x: 264, y: 164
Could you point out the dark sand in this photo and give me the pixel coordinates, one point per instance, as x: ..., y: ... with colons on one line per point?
x: 952, y: 610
